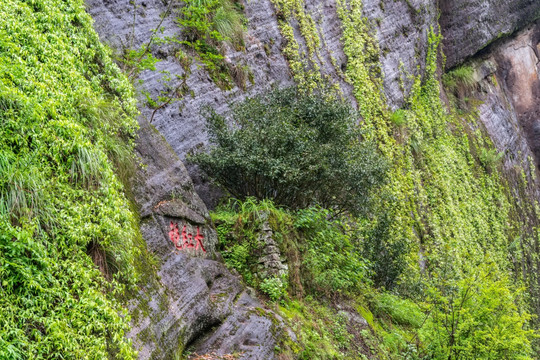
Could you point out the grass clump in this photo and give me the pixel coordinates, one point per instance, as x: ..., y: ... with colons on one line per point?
x: 459, y: 78
x: 459, y: 84
x: 399, y: 117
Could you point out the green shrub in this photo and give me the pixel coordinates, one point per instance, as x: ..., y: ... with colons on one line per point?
x: 238, y: 257
x: 296, y: 149
x: 274, y: 287
x: 386, y: 253
x: 207, y: 25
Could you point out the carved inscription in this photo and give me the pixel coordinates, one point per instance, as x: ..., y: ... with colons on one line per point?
x: 188, y: 241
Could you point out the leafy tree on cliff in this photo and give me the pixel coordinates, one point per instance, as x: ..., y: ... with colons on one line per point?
x: 295, y: 148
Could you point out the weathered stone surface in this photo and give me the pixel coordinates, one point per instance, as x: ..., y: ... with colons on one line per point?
x: 241, y: 333
x: 509, y: 86
x: 401, y: 27
x: 191, y: 294
x: 182, y: 124
x: 468, y: 26
x: 179, y: 209
x: 164, y: 176
x: 270, y: 262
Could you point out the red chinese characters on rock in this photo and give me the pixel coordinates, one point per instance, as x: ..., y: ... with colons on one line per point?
x: 188, y: 241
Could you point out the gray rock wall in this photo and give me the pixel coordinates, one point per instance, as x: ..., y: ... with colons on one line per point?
x: 188, y: 299
x: 508, y: 75
x: 470, y: 25
x: 400, y: 26
x: 507, y: 81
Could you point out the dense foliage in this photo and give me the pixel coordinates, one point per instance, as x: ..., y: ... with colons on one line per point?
x: 433, y: 261
x: 324, y: 259
x: 474, y: 317
x: 66, y: 120
x: 296, y: 149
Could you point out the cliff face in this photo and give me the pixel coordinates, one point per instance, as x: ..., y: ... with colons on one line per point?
x: 508, y: 77
x: 198, y: 300
x: 469, y: 26
x: 187, y: 297
x: 401, y: 28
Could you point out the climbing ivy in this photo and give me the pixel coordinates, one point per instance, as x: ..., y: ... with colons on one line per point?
x: 304, y: 67
x: 450, y: 208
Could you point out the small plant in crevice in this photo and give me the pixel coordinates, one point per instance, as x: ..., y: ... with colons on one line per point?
x: 459, y: 78
x: 460, y: 83
x: 209, y: 27
x: 399, y: 117
x: 174, y: 89
x: 490, y: 158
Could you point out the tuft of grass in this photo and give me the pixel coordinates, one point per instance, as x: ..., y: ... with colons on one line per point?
x: 107, y: 120
x: 229, y: 22
x: 461, y: 78
x: 401, y: 311
x: 399, y: 117
x: 86, y: 167
x: 21, y: 187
